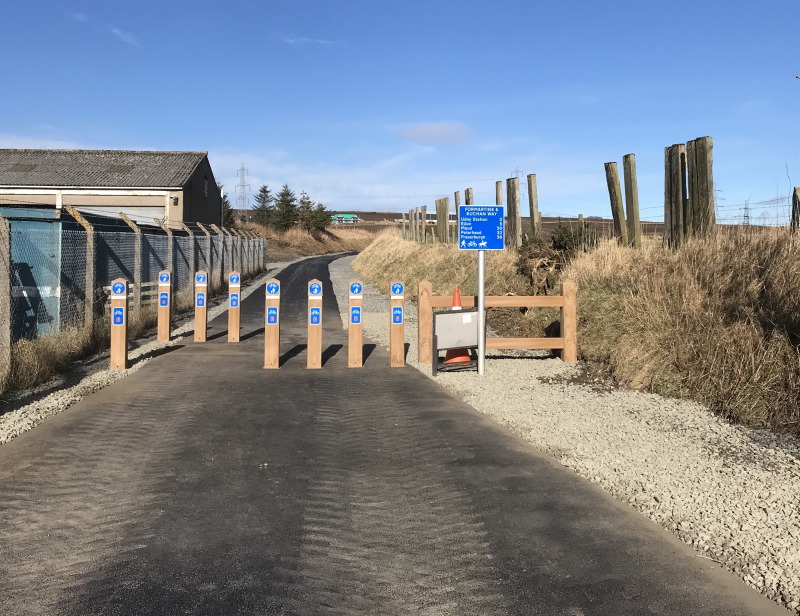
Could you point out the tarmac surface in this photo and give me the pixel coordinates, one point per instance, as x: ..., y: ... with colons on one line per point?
x: 203, y: 484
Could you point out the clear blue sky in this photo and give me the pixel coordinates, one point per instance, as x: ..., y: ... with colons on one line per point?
x: 386, y: 106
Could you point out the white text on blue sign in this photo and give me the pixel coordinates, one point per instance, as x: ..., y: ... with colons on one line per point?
x: 480, y: 227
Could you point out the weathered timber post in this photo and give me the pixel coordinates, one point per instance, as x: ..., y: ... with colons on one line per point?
x: 424, y: 214
x: 514, y: 228
x: 569, y: 322
x: 795, y: 212
x: 468, y: 198
x: 674, y: 194
x: 615, y: 195
x: 533, y: 202
x: 88, y: 310
x: 457, y: 197
x: 137, y: 266
x: 168, y: 231
x: 417, y: 225
x: 403, y: 235
x: 632, y: 200
x: 424, y: 322
x: 703, y: 197
x: 498, y: 194
x: 443, y: 219
x: 5, y: 302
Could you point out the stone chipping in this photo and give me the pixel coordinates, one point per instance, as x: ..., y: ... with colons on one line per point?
x: 733, y: 493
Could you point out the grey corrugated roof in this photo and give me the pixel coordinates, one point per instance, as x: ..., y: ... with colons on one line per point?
x: 101, y: 168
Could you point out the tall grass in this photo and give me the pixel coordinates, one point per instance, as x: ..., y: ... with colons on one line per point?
x: 307, y: 243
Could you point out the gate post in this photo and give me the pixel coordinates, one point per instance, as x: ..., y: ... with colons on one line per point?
x: 354, y: 325
x: 569, y: 322
x: 424, y: 322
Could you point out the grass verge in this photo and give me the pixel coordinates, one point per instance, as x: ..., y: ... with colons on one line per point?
x: 299, y: 243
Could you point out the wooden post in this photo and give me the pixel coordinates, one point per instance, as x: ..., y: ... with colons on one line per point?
x: 675, y: 193
x: 5, y: 302
x: 514, y: 229
x: 137, y: 267
x: 569, y: 322
x: 457, y: 198
x: 314, y: 347
x: 692, y: 218
x: 272, y: 325
x: 424, y: 223
x: 704, y: 217
x: 200, y: 305
x: 795, y: 213
x: 632, y: 200
x: 397, y: 336
x: 468, y: 198
x: 424, y: 322
x: 354, y: 324
x: 533, y: 202
x: 88, y: 306
x: 417, y: 226
x: 119, y: 324
x: 404, y: 228
x: 667, y: 198
x: 615, y: 195
x: 498, y: 194
x: 164, y: 305
x: 234, y: 302
x: 442, y: 219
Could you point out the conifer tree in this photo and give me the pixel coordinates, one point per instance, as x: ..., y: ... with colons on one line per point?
x: 285, y: 209
x: 228, y: 219
x: 264, y: 211
x: 321, y: 217
x: 305, y: 212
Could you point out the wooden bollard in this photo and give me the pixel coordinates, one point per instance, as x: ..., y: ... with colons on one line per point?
x: 200, y: 301
x: 234, y: 299
x: 569, y: 322
x: 164, y: 305
x: 272, y: 325
x: 119, y: 324
x: 314, y: 348
x: 397, y: 336
x: 354, y: 326
x: 424, y: 322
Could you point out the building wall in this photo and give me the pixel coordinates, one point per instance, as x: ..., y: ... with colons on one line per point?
x: 201, y: 199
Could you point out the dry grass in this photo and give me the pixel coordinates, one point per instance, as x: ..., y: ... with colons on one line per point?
x: 717, y: 321
x: 306, y: 243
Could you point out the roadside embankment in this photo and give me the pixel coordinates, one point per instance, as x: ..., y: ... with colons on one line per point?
x: 285, y: 245
x: 731, y: 492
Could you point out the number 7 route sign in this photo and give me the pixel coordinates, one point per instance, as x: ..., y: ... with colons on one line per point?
x: 480, y: 227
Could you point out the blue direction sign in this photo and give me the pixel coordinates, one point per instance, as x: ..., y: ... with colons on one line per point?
x: 315, y: 289
x: 273, y: 288
x: 355, y: 315
x: 201, y: 300
x: 234, y: 300
x: 397, y: 288
x: 163, y: 277
x: 163, y: 299
x: 234, y: 278
x: 118, y: 316
x: 118, y: 288
x: 200, y: 278
x: 272, y: 315
x: 480, y: 227
x: 397, y: 314
x: 356, y: 288
x: 314, y: 316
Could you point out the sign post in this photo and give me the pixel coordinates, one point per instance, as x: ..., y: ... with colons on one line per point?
x: 164, y: 305
x: 397, y: 336
x: 480, y: 227
x: 354, y: 327
x: 234, y: 299
x: 119, y: 324
x: 272, y: 325
x: 200, y: 301
x: 314, y: 348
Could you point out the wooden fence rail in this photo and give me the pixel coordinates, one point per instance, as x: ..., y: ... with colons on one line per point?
x: 567, y: 301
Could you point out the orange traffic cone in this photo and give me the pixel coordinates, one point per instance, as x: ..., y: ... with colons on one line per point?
x: 456, y: 356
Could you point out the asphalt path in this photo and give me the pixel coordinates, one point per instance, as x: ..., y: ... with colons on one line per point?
x: 203, y: 484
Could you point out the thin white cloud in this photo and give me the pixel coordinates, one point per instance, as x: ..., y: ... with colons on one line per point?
x: 33, y: 143
x: 309, y: 41
x: 433, y: 133
x: 125, y: 37
x: 79, y: 17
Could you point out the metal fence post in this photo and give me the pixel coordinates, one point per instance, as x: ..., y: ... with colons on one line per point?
x: 137, y: 267
x: 5, y: 302
x: 88, y: 310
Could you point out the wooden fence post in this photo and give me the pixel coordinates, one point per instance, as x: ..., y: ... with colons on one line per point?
x: 468, y: 198
x: 403, y: 234
x: 137, y: 267
x: 457, y: 198
x: 632, y: 200
x: 5, y: 302
x: 795, y: 211
x: 704, y: 199
x: 424, y: 322
x: 88, y: 310
x: 424, y: 223
x: 615, y: 195
x: 442, y: 219
x: 533, y: 202
x: 569, y: 322
x: 514, y: 228
x: 417, y: 224
x: 674, y: 199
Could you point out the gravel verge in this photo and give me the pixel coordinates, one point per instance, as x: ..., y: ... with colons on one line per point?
x: 731, y: 492
x: 24, y: 410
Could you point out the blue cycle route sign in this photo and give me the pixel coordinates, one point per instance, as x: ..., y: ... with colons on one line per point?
x: 118, y: 316
x: 397, y: 288
x: 118, y: 288
x: 200, y: 278
x: 163, y: 277
x: 315, y: 289
x: 397, y: 314
x: 272, y: 288
x: 272, y: 315
x: 314, y: 316
x: 356, y: 288
x: 163, y: 299
x: 355, y: 315
x: 234, y: 300
x: 201, y: 300
x: 480, y: 227
x: 234, y: 278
